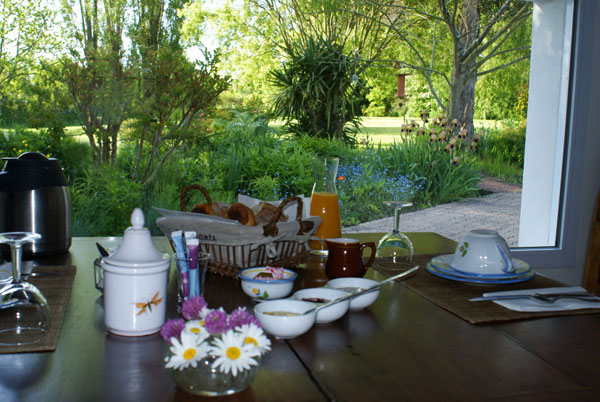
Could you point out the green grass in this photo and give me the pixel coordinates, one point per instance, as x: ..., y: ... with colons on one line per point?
x: 385, y: 130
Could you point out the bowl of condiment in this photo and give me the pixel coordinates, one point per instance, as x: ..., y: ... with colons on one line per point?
x: 267, y: 283
x: 352, y: 285
x: 323, y: 295
x: 285, y: 318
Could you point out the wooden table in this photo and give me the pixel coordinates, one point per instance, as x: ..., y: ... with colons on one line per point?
x: 403, y: 347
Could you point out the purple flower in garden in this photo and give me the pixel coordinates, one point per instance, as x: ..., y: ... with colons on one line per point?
x: 215, y: 322
x: 172, y: 328
x: 241, y: 316
x: 192, y: 308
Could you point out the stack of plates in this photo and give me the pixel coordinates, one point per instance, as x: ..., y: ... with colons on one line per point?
x: 442, y: 266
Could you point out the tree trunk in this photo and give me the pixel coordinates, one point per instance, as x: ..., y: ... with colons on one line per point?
x: 462, y: 92
x: 462, y: 99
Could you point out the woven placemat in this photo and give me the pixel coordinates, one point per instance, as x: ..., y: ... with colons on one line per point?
x: 55, y: 284
x: 454, y: 296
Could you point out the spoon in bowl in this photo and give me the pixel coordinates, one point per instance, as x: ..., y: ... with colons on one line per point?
x: 354, y: 294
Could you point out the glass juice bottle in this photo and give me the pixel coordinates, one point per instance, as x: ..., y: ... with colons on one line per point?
x: 324, y: 202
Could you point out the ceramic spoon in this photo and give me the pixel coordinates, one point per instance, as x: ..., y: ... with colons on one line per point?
x: 354, y: 294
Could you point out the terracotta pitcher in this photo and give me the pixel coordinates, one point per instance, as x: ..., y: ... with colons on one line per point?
x: 345, y: 258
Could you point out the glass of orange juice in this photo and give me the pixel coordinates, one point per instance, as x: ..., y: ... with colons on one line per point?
x: 324, y: 202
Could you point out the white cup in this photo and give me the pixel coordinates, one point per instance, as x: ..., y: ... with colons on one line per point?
x: 482, y: 252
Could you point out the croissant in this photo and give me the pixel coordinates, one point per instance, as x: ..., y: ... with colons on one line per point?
x: 241, y: 213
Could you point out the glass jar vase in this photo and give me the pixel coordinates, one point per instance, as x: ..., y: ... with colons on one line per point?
x: 207, y: 381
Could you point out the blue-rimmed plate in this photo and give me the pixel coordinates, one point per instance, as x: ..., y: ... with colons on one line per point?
x: 456, y: 276
x: 443, y: 263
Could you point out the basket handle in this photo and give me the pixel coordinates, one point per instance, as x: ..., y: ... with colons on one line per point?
x: 270, y: 229
x: 185, y: 190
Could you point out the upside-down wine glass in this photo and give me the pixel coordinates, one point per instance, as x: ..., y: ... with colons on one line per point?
x: 395, y: 251
x: 24, y: 311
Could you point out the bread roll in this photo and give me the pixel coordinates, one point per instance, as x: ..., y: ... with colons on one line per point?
x: 241, y: 213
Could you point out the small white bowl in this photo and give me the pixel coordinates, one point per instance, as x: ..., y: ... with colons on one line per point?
x: 266, y: 289
x: 354, y: 284
x: 328, y: 314
x: 282, y: 326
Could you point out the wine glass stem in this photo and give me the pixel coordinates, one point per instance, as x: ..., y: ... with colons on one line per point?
x: 397, y: 210
x: 16, y: 253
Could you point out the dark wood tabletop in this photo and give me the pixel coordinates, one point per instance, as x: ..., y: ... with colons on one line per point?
x: 403, y: 347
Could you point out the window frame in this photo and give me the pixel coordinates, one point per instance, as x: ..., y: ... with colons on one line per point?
x: 581, y: 163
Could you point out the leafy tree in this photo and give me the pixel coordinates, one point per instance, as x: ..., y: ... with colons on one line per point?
x: 172, y: 91
x: 320, y: 90
x: 328, y: 51
x: 247, y: 41
x: 350, y: 24
x: 95, y: 73
x: 145, y: 84
x: 25, y: 33
x: 255, y: 36
x: 454, y: 42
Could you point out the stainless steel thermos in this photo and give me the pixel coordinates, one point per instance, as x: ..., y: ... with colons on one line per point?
x: 34, y: 198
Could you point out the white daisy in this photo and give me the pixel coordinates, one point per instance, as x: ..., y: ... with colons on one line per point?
x: 187, y: 352
x: 254, y: 335
x: 196, y: 328
x: 203, y: 313
x: 232, y: 354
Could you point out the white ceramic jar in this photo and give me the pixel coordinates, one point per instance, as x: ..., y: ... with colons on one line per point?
x: 135, y: 283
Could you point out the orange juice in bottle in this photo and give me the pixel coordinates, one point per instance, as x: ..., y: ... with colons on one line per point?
x: 324, y: 202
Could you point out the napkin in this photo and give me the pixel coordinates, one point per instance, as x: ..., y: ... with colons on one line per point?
x: 530, y: 305
x: 289, y: 210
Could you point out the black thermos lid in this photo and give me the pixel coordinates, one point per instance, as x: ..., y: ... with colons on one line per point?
x: 31, y: 171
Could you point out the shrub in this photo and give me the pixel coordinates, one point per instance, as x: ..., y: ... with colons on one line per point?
x: 501, y: 153
x: 320, y: 91
x: 102, y: 201
x: 507, y: 145
x: 246, y: 156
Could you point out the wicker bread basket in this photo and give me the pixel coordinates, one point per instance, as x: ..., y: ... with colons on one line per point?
x: 233, y: 246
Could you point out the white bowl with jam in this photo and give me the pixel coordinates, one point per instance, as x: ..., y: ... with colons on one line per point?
x: 284, y: 318
x: 267, y: 283
x: 323, y: 295
x: 351, y: 285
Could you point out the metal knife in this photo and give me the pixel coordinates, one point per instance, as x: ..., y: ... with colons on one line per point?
x: 530, y: 295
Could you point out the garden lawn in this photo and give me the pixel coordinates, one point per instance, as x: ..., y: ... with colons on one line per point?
x: 385, y: 130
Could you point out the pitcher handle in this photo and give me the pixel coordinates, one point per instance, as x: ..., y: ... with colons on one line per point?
x: 373, y: 251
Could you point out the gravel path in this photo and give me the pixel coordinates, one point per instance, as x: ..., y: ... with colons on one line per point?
x: 499, y: 211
